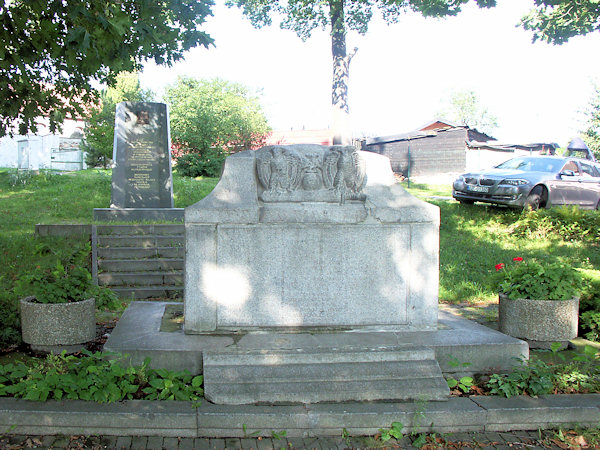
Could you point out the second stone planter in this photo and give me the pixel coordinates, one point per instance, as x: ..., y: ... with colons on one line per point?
x: 539, y: 322
x: 54, y: 327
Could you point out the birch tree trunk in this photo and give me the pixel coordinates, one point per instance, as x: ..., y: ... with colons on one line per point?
x: 341, y: 74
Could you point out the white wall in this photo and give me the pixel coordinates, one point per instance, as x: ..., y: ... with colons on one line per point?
x: 39, y: 145
x: 478, y: 159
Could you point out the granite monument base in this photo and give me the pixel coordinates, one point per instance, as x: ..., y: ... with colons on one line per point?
x: 145, y: 330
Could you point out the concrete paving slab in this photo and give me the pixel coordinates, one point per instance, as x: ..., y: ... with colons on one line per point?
x: 457, y: 414
x: 527, y: 413
x: 128, y: 418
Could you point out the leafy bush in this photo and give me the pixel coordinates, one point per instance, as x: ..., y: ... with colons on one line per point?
x: 535, y: 377
x: 208, y: 164
x: 534, y: 280
x: 10, y: 325
x: 568, y: 222
x: 590, y: 325
x: 94, y: 377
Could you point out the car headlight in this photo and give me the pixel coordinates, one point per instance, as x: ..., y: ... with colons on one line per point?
x: 514, y: 182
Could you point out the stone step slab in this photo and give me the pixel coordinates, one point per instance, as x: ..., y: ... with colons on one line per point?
x: 146, y: 292
x: 141, y: 253
x: 140, y: 230
x: 240, y: 377
x: 140, y: 265
x: 141, y: 241
x: 166, y: 278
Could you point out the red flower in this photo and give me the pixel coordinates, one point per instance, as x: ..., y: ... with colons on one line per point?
x: 518, y: 259
x: 499, y: 266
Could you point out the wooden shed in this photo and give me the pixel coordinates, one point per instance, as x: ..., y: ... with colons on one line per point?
x: 439, y: 146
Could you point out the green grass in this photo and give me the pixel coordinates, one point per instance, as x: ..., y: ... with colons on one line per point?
x: 27, y: 199
x: 474, y: 238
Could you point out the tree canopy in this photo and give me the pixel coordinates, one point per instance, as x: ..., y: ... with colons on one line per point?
x: 556, y: 21
x: 591, y: 134
x: 100, y: 126
x: 214, y: 114
x: 466, y: 109
x: 52, y: 51
x: 341, y: 16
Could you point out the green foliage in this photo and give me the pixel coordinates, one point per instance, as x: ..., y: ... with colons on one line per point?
x: 567, y: 222
x: 589, y: 322
x: 51, y: 51
x: 591, y: 135
x: 395, y: 431
x: 464, y: 384
x: 555, y: 21
x: 533, y: 378
x: 465, y: 109
x: 99, y: 129
x: 209, y: 164
x: 214, y: 115
x: 95, y: 377
x: 538, y: 281
x: 10, y: 325
x: 68, y: 280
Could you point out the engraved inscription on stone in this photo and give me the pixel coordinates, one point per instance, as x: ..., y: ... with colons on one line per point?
x: 142, y: 172
x: 310, y: 173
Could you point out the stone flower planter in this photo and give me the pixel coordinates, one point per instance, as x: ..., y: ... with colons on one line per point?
x: 539, y: 322
x: 54, y: 327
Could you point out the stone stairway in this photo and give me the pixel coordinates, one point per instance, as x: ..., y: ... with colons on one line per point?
x: 140, y: 261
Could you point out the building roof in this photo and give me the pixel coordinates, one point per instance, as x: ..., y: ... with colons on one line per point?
x: 428, y: 129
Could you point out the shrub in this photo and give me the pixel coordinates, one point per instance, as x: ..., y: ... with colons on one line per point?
x: 567, y: 222
x: 208, y: 164
x: 534, y: 280
x: 590, y: 325
x: 10, y: 325
x: 94, y: 377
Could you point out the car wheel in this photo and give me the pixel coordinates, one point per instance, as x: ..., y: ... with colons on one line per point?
x: 535, y: 199
x: 466, y: 202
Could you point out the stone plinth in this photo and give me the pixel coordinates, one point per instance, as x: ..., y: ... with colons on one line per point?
x: 310, y: 236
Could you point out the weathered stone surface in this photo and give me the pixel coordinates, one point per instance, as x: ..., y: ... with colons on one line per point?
x: 52, y: 327
x: 527, y: 413
x: 323, y: 375
x: 133, y: 417
x: 539, y: 320
x: 265, y: 250
x: 142, y: 164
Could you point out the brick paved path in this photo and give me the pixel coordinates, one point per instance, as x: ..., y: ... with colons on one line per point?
x: 511, y: 440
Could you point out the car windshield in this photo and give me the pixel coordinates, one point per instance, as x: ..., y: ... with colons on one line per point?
x: 532, y: 164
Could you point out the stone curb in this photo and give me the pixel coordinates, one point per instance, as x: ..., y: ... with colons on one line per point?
x: 183, y: 419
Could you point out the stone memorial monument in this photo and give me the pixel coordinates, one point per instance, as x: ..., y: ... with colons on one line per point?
x: 308, y: 237
x: 142, y: 183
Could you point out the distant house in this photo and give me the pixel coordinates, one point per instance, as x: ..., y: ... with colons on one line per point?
x: 322, y: 137
x: 439, y: 146
x: 45, y: 150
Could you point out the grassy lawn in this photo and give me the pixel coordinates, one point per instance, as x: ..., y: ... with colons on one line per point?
x: 474, y: 238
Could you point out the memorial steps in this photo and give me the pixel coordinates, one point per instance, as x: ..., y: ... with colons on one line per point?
x: 140, y: 261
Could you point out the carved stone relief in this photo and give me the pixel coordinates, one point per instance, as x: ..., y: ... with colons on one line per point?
x: 302, y: 173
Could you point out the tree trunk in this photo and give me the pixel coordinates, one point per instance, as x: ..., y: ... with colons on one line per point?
x: 341, y: 73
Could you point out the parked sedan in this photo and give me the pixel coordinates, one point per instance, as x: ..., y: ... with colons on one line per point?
x: 533, y: 181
